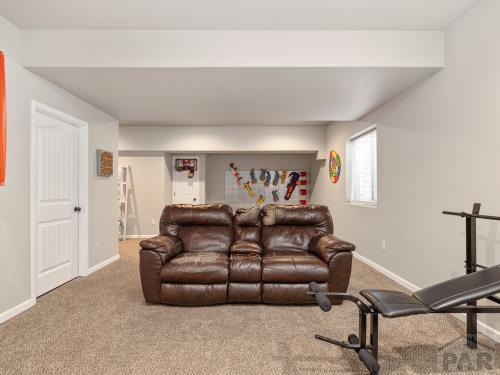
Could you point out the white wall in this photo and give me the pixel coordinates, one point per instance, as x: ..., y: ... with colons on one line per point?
x: 438, y: 150
x: 218, y: 164
x: 147, y: 190
x: 150, y: 187
x: 22, y: 87
x: 103, y: 204
x: 234, y: 139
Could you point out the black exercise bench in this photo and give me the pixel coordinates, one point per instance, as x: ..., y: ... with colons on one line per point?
x: 446, y: 297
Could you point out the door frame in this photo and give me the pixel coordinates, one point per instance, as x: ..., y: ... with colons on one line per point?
x: 83, y: 193
x: 199, y: 176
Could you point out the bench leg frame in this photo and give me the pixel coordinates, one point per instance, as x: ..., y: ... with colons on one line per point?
x: 367, y: 352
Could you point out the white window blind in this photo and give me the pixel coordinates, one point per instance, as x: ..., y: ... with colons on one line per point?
x: 362, y: 180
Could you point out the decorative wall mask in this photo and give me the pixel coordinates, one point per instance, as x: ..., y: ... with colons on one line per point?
x: 190, y: 165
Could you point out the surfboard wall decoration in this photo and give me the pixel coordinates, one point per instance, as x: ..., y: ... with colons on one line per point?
x: 334, y: 166
x: 3, y: 120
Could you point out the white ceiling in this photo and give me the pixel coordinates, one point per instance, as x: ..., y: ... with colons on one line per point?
x: 235, y: 96
x: 197, y: 95
x: 234, y: 14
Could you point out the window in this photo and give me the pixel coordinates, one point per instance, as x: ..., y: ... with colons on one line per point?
x: 362, y: 167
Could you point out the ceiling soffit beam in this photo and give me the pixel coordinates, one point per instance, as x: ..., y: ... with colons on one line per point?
x: 191, y: 49
x: 284, y: 139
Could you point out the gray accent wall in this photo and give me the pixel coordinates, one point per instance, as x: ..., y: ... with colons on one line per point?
x: 22, y: 87
x: 438, y: 149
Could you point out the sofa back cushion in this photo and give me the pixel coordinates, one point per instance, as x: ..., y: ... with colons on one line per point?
x: 247, y: 223
x: 206, y: 227
x: 293, y: 227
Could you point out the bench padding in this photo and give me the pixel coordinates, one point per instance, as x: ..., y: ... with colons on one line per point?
x: 439, y: 297
x: 460, y: 290
x: 393, y: 304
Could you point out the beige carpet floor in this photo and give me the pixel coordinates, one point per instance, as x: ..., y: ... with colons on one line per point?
x: 101, y: 325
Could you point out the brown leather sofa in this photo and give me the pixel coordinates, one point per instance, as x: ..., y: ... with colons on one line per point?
x: 204, y: 255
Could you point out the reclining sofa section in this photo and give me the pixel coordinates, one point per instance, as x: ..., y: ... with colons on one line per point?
x: 204, y: 255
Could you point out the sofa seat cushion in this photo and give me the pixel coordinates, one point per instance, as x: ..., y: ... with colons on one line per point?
x: 196, y: 268
x: 293, y: 267
x: 246, y: 247
x: 245, y: 268
x: 288, y: 252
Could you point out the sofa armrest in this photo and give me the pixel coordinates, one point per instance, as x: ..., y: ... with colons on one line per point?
x: 155, y: 252
x: 246, y: 247
x: 326, y: 246
x: 167, y: 246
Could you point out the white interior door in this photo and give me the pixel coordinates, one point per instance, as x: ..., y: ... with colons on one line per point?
x: 186, y: 190
x: 56, y: 202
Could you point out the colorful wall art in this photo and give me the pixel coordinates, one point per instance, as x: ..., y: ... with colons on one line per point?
x: 334, y: 166
x: 258, y: 187
x: 3, y: 121
x: 104, y: 163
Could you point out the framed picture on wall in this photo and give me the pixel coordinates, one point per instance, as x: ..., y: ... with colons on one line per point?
x: 104, y: 163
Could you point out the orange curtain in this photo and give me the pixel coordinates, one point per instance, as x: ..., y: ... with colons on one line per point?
x: 3, y: 120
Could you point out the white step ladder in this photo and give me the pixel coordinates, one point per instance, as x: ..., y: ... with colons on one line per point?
x: 122, y: 194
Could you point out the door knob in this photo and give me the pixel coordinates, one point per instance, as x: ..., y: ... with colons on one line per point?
x: 77, y: 209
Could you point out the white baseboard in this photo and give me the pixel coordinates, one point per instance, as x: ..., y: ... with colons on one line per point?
x: 486, y: 330
x: 482, y: 327
x: 132, y: 236
x: 102, y: 264
x: 9, y: 314
x: 387, y: 273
